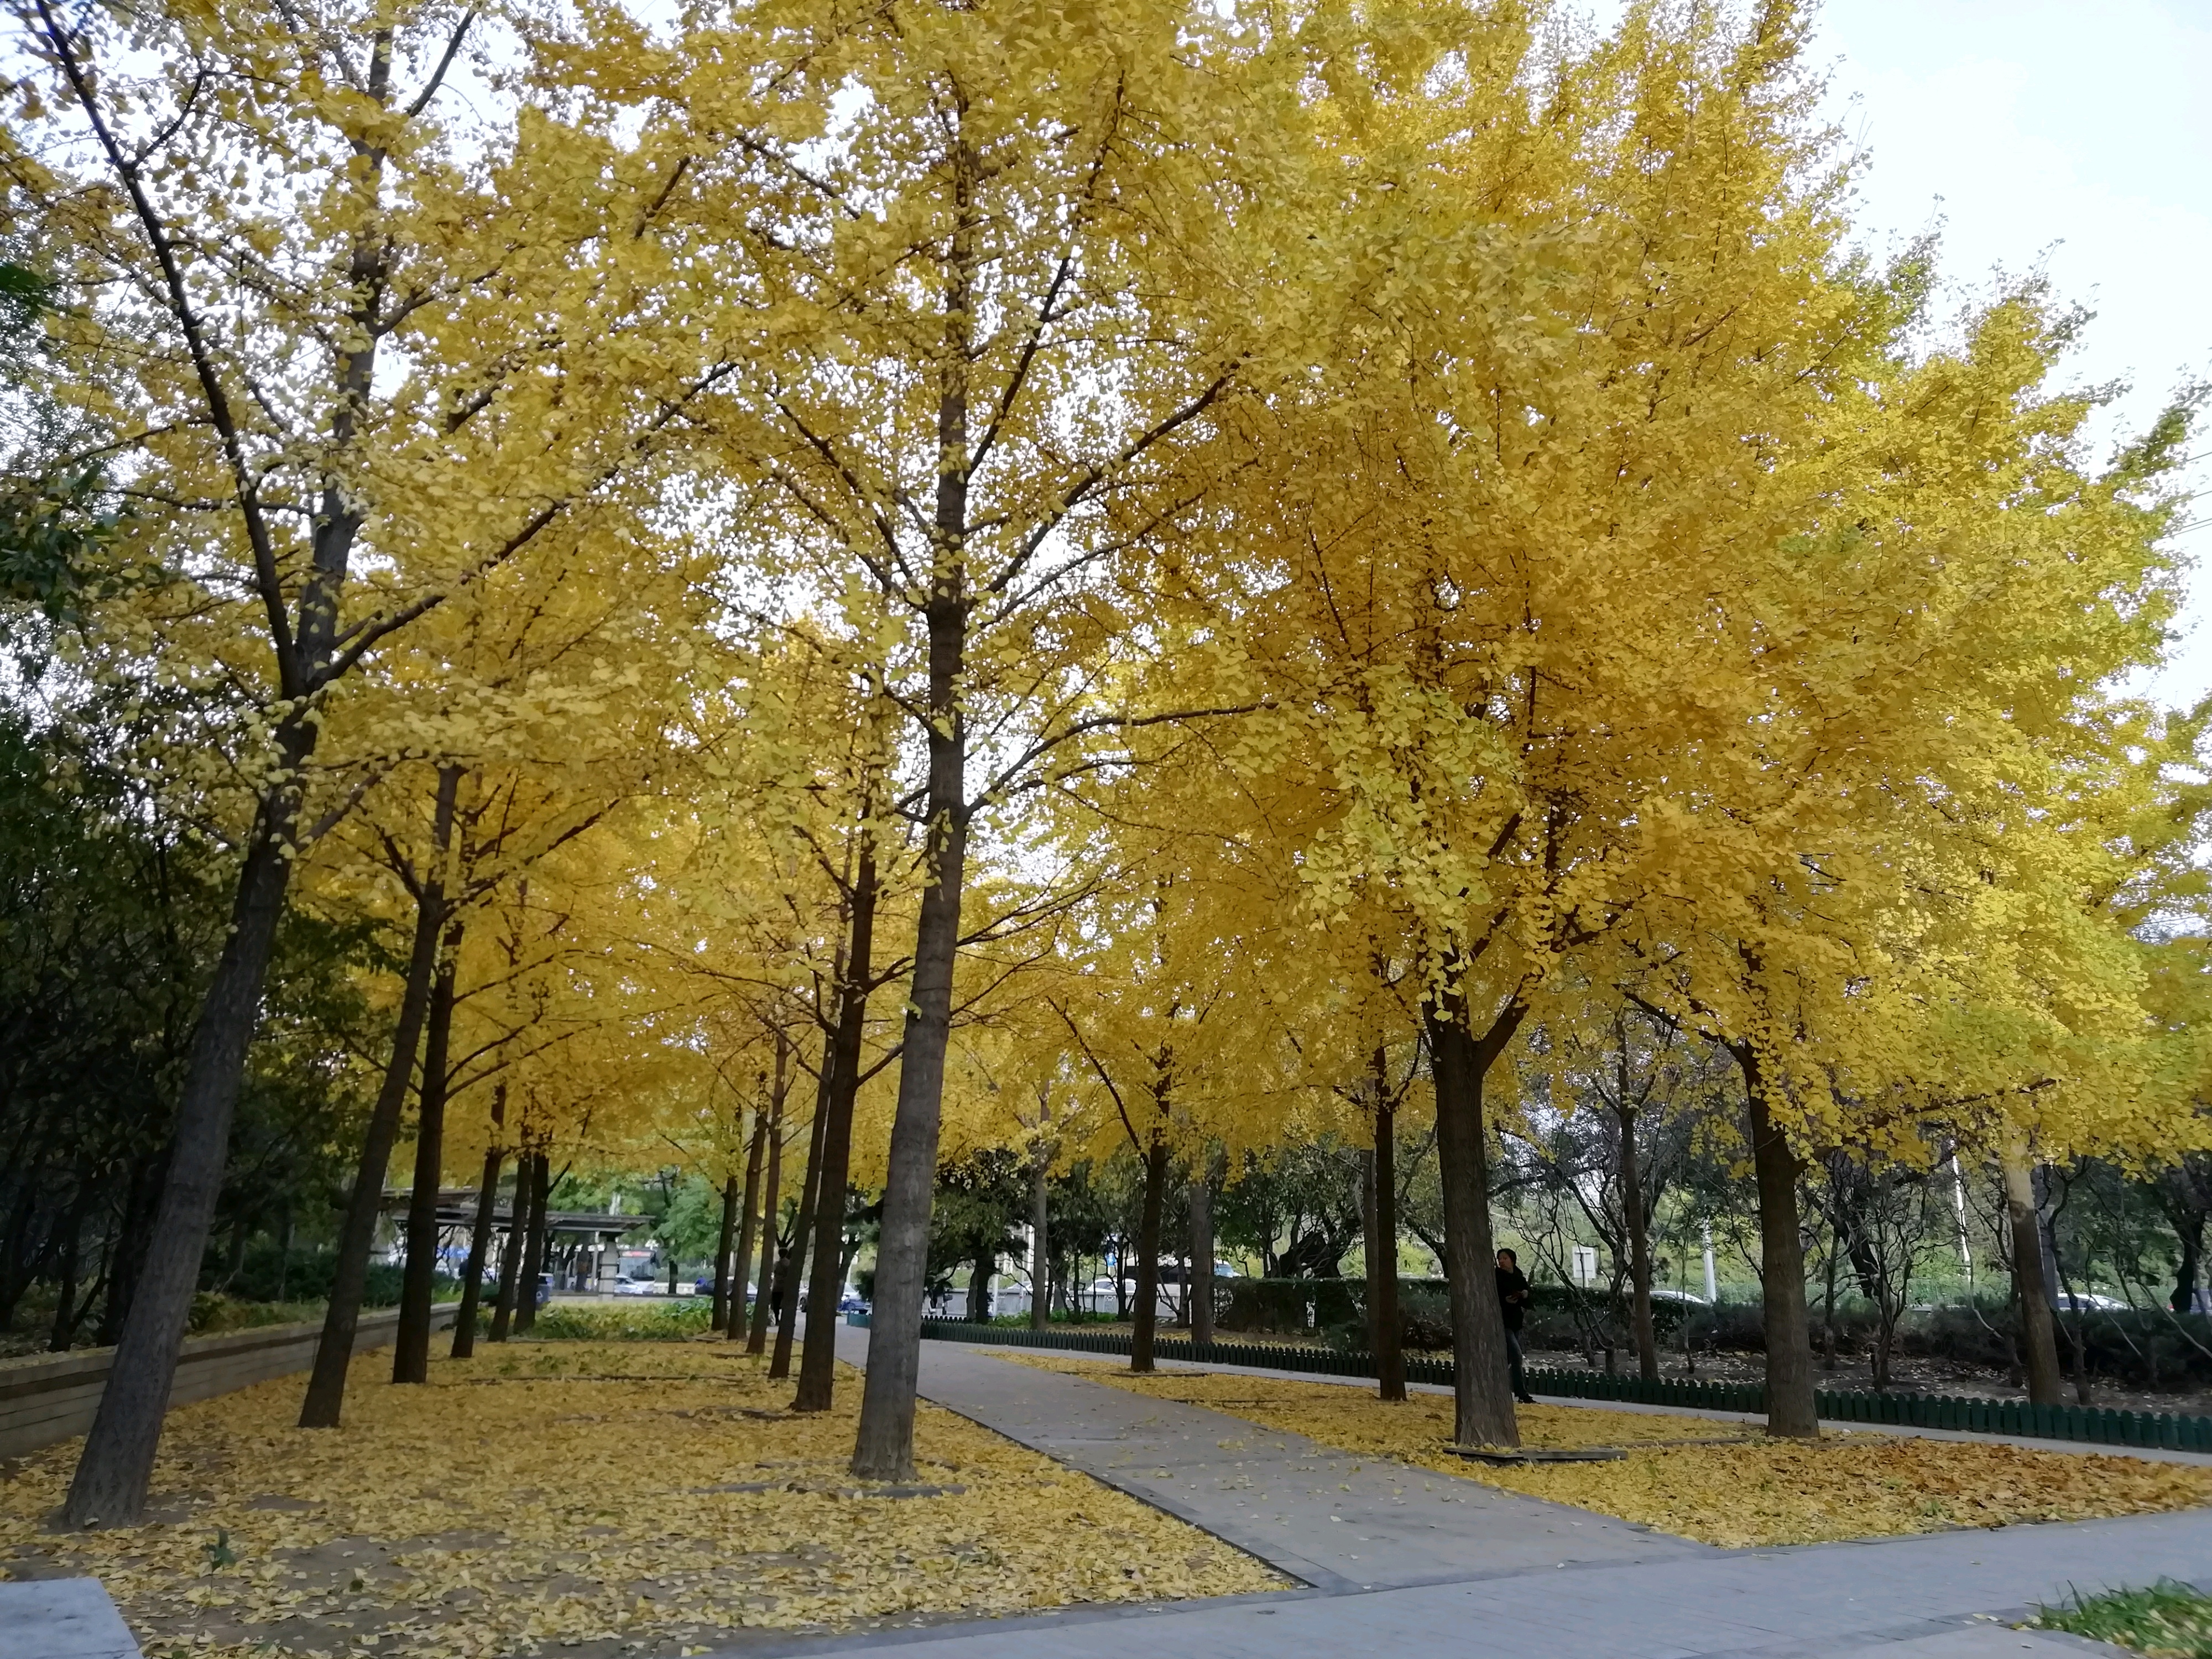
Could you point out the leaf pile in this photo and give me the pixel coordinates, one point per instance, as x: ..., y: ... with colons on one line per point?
x: 1766, y: 1491
x: 642, y: 1497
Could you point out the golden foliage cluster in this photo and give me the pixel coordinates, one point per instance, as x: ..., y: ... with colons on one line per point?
x: 1755, y: 1491
x: 578, y: 1492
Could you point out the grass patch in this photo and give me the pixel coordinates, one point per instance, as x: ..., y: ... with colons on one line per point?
x: 620, y: 1322
x: 589, y: 1500
x: 1767, y: 1491
x: 2166, y: 1622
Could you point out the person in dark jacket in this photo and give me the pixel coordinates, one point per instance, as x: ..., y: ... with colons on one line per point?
x: 1513, y: 1302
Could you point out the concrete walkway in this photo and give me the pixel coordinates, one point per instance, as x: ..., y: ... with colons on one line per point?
x: 1396, y: 1557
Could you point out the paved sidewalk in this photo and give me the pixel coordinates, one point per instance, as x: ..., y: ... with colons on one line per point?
x: 61, y: 1619
x: 1337, y: 1522
x: 1398, y: 1558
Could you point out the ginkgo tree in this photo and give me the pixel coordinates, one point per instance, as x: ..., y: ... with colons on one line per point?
x: 340, y: 342
x: 995, y: 250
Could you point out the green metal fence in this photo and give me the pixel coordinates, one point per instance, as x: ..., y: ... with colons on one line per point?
x: 1919, y: 1411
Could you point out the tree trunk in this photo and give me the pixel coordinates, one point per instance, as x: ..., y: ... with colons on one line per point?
x: 817, y: 1366
x: 133, y: 1236
x: 1482, y: 1382
x: 464, y: 1322
x: 1640, y: 1250
x: 325, y: 1399
x: 1040, y: 1256
x: 511, y: 1253
x: 2184, y: 1299
x: 1199, y: 1292
x: 1791, y: 1410
x: 741, y: 1260
x: 534, y: 1243
x: 1387, y: 1330
x: 792, y: 1263
x: 2039, y: 1335
x: 979, y: 1288
x: 109, y: 1486
x: 64, y: 1324
x: 756, y: 1338
x: 410, y: 1348
x: 883, y: 1448
x: 1147, y: 1310
x: 725, y: 1241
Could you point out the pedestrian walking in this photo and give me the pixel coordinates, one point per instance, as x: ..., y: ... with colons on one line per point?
x: 1513, y: 1302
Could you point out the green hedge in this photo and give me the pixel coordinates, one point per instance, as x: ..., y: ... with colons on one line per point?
x: 1919, y: 1411
x: 621, y: 1322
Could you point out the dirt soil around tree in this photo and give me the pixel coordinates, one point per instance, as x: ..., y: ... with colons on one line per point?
x: 593, y: 1499
x: 1710, y: 1478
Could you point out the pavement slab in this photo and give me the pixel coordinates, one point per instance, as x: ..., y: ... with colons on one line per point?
x: 1397, y: 1558
x: 1335, y: 1522
x: 61, y: 1619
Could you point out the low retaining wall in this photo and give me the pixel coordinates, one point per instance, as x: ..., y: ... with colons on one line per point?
x: 2008, y: 1417
x: 52, y: 1396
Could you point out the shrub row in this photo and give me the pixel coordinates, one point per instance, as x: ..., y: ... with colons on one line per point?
x: 2139, y: 1347
x: 2009, y: 1416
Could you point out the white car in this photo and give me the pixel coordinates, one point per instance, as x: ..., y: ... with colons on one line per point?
x: 636, y: 1287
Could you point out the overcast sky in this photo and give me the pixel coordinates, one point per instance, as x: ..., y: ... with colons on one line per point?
x: 2074, y: 133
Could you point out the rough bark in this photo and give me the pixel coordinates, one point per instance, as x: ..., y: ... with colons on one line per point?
x: 756, y: 1338
x: 2039, y: 1329
x: 534, y: 1242
x: 1199, y: 1293
x: 1040, y: 1256
x: 511, y: 1253
x: 65, y: 1316
x: 1387, y: 1331
x: 725, y: 1241
x: 883, y: 1448
x: 1147, y: 1313
x: 980, y: 1273
x: 480, y: 1231
x: 1640, y: 1250
x: 817, y: 1365
x: 325, y: 1399
x: 133, y: 1235
x: 109, y: 1487
x: 792, y: 1264
x: 741, y: 1261
x: 1791, y: 1412
x: 1482, y: 1381
x: 410, y: 1346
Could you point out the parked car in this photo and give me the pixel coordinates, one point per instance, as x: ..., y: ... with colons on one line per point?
x: 2089, y: 1301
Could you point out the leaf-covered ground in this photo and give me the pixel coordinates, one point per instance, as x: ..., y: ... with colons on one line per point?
x: 595, y: 1498
x: 1755, y: 1491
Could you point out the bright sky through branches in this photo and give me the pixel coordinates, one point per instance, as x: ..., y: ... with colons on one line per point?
x: 2046, y: 131
x: 2076, y: 135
